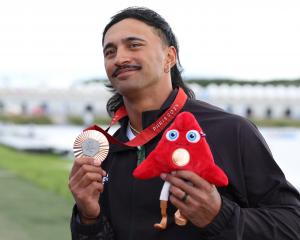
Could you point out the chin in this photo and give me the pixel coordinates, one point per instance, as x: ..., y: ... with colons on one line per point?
x: 127, y: 89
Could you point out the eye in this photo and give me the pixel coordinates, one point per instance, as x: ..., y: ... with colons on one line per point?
x: 109, y: 52
x: 134, y: 45
x: 193, y: 136
x: 172, y: 135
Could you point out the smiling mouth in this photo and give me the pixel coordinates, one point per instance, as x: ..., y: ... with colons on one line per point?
x: 126, y: 68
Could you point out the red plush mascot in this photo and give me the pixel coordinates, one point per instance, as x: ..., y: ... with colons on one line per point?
x: 182, y: 147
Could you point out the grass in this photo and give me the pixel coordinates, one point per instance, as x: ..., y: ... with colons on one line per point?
x: 45, y: 170
x: 28, y: 212
x: 35, y: 202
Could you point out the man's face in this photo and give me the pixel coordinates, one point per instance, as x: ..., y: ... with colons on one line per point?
x: 134, y: 57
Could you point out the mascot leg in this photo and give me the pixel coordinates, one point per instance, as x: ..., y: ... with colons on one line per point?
x: 163, y: 223
x: 164, y: 197
x: 179, y: 219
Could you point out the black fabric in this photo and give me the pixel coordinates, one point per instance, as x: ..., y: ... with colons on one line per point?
x: 258, y: 203
x: 101, y: 230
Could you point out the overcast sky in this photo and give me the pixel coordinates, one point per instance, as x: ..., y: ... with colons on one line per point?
x: 57, y: 42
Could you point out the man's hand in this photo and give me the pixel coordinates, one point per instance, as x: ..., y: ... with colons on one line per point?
x: 85, y: 183
x: 203, y: 201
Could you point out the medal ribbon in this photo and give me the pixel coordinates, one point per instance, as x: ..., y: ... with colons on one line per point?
x: 153, y: 130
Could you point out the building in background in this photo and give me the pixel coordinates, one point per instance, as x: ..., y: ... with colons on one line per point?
x: 253, y: 101
x: 89, y: 100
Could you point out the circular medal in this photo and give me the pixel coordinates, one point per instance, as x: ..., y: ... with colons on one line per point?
x: 180, y: 157
x: 91, y: 143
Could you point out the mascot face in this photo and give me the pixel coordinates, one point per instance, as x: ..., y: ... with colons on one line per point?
x: 182, y: 147
x: 180, y: 141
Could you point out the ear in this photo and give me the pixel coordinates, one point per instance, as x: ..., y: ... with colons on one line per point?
x: 171, y: 58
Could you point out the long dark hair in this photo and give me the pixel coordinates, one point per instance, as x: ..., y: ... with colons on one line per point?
x: 165, y: 32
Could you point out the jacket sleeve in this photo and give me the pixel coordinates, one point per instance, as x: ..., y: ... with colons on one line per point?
x: 101, y: 230
x: 272, y: 211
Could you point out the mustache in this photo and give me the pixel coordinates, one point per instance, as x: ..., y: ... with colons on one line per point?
x: 126, y: 66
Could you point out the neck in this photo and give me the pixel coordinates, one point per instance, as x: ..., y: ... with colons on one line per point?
x: 145, y: 101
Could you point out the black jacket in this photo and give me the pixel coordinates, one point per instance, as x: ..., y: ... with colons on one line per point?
x: 259, y: 203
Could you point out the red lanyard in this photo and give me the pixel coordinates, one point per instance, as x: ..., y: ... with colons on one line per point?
x: 153, y: 130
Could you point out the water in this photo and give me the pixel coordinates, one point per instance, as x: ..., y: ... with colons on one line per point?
x: 283, y: 142
x: 285, y: 147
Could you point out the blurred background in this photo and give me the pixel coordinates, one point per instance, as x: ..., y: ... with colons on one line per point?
x: 243, y: 56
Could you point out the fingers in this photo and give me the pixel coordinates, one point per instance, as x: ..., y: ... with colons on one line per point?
x: 177, y: 203
x: 203, y: 201
x: 83, y: 165
x: 181, y: 199
x: 192, y: 177
x: 87, y: 191
x: 85, y: 184
x: 84, y: 173
x: 87, y: 169
x: 179, y: 187
x: 82, y: 180
x: 83, y: 161
x: 186, y: 182
x: 94, y: 188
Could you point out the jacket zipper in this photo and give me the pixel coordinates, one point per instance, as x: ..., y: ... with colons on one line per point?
x: 140, y: 157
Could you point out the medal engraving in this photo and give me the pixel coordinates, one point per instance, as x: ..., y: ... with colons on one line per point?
x: 91, y: 143
x: 90, y: 147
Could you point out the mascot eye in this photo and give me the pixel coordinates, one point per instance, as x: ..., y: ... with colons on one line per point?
x: 172, y: 135
x: 193, y: 136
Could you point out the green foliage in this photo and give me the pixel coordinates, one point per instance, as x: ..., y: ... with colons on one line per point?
x: 75, y: 120
x: 46, y: 170
x: 218, y: 81
x: 102, y: 120
x: 78, y: 120
x: 276, y: 122
x: 21, y: 119
x: 95, y: 80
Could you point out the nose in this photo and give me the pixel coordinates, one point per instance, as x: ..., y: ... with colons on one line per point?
x: 122, y: 57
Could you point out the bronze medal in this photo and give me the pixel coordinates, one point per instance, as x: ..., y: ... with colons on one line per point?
x: 180, y: 157
x: 91, y: 143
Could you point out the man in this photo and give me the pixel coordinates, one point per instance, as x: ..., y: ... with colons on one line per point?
x: 142, y: 64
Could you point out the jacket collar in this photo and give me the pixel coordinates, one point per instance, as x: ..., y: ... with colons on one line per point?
x: 148, y: 117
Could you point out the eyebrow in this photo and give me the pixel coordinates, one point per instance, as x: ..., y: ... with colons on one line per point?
x: 128, y: 39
